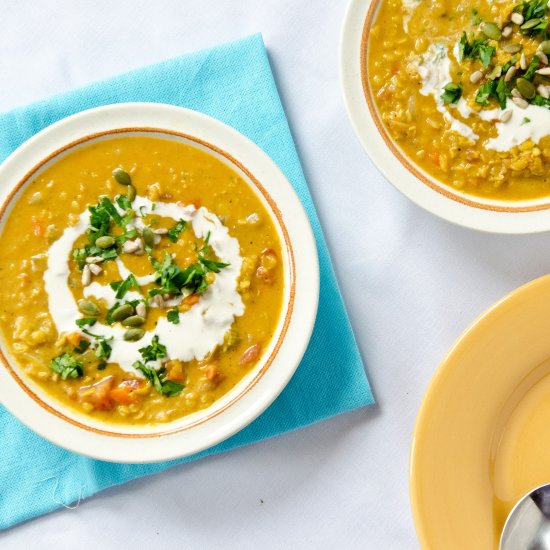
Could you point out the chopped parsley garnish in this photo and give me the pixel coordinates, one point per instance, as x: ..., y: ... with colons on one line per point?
x: 451, y: 94
x: 122, y: 287
x: 86, y: 321
x: 526, y: 120
x: 124, y: 202
x: 102, y: 366
x: 154, y: 351
x: 83, y: 345
x: 175, y: 232
x: 541, y: 101
x: 485, y: 54
x: 102, y: 348
x: 211, y: 265
x: 471, y: 50
x: 157, y: 378
x: 173, y: 316
x: 66, y: 366
x: 496, y: 89
x: 532, y: 69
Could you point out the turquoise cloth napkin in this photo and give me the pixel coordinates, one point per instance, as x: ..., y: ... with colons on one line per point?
x: 233, y: 83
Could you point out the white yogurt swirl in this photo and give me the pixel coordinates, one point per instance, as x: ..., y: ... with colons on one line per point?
x: 200, y: 329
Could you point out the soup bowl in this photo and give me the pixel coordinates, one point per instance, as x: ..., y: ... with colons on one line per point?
x: 132, y: 443
x: 439, y: 198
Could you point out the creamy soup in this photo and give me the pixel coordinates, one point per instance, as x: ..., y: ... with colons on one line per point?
x: 464, y: 89
x: 142, y: 279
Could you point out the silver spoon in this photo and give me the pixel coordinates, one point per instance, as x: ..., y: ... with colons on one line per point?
x: 528, y: 524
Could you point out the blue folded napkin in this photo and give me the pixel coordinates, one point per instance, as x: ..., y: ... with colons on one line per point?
x: 233, y: 83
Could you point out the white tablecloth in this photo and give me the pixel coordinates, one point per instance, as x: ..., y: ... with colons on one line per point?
x: 411, y: 282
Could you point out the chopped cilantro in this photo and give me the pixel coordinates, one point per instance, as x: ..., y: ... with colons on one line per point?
x: 211, y: 265
x: 485, y: 54
x: 86, y: 321
x: 124, y: 202
x: 471, y: 50
x: 66, y: 366
x: 173, y: 316
x: 176, y: 231
x: 533, y: 67
x: 122, y: 287
x: 83, y: 345
x: 526, y: 120
x: 485, y: 92
x: 541, y: 101
x: 103, y: 349
x: 102, y: 366
x: 164, y: 387
x: 452, y: 93
x: 154, y: 351
x: 502, y: 93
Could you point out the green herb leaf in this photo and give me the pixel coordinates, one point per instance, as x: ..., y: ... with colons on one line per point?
x: 102, y: 366
x: 124, y: 202
x: 103, y: 349
x: 526, y: 120
x: 485, y: 54
x: 173, y: 316
x: 485, y: 92
x: 86, y: 321
x: 533, y: 67
x: 211, y: 265
x: 122, y: 287
x: 502, y: 93
x: 452, y: 93
x: 175, y: 232
x: 83, y: 345
x: 66, y: 366
x: 154, y: 351
x: 164, y: 387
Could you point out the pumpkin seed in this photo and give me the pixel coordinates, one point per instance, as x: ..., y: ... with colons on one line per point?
x: 88, y: 308
x: 148, y: 237
x: 526, y: 89
x: 545, y: 46
x: 134, y: 334
x: 105, y: 242
x: 122, y: 312
x: 133, y: 321
x: 530, y: 24
x: 122, y: 177
x: 131, y: 194
x: 512, y: 48
x: 490, y: 30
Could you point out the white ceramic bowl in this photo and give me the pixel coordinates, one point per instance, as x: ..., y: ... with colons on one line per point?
x: 260, y: 387
x: 477, y: 213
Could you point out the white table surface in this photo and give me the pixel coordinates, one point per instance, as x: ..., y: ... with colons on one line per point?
x: 411, y: 282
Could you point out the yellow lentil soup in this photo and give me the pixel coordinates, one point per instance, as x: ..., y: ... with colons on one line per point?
x: 463, y: 88
x: 142, y: 279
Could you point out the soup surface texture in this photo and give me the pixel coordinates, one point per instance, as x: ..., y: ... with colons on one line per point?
x: 142, y: 279
x: 464, y: 88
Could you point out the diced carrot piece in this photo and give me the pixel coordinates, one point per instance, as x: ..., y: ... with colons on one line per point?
x: 74, y: 339
x: 175, y: 370
x: 124, y: 393
x: 37, y: 228
x: 98, y: 394
x: 191, y: 300
x: 250, y: 355
x: 434, y: 157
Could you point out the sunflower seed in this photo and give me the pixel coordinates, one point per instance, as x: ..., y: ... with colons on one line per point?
x: 86, y: 276
x: 506, y: 116
x: 141, y: 310
x: 506, y: 31
x: 520, y: 102
x: 542, y: 56
x: 517, y: 18
x: 130, y: 247
x: 515, y: 93
x: 476, y: 77
x: 544, y: 72
x: 523, y: 61
x: 95, y: 269
x: 160, y: 231
x: 510, y: 74
x: 94, y: 259
x: 544, y: 91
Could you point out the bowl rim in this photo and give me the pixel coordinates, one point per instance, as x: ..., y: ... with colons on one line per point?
x: 266, y: 179
x: 494, y: 216
x: 485, y: 319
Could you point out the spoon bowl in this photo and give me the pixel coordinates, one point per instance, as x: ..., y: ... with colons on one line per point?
x: 528, y: 524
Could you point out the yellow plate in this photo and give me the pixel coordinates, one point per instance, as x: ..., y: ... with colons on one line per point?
x: 482, y: 437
